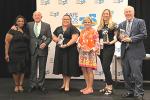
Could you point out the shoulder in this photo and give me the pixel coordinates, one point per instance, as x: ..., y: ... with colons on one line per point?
x: 73, y: 27
x: 113, y: 25
x: 94, y: 31
x: 139, y: 20
x: 58, y: 28
x: 121, y: 23
x: 12, y: 31
x: 45, y: 23
x: 30, y: 23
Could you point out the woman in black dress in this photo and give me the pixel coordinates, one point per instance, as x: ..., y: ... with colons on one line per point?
x: 66, y: 54
x: 16, y: 52
x: 108, y: 38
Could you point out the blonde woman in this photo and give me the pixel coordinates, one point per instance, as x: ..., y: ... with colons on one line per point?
x: 88, y: 46
x: 107, y: 35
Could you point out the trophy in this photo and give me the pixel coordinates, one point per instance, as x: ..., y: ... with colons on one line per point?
x: 105, y: 35
x: 122, y: 34
x: 42, y: 38
x: 61, y: 39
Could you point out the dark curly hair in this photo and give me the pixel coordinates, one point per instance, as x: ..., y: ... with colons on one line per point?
x: 24, y: 27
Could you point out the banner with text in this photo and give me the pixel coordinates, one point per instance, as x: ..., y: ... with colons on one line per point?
x: 53, y: 11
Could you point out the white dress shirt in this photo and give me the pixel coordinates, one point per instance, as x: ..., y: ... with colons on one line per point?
x: 37, y: 33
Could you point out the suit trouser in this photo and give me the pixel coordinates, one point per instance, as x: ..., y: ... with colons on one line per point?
x: 106, y: 57
x: 132, y: 72
x: 36, y: 61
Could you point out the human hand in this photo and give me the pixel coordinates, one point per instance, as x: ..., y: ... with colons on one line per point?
x: 87, y: 51
x: 123, y: 36
x: 42, y: 46
x: 14, y: 27
x: 126, y: 39
x: 106, y: 42
x: 79, y: 45
x: 63, y: 46
x: 7, y: 58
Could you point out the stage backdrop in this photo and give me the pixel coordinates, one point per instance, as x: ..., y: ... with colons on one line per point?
x: 53, y: 10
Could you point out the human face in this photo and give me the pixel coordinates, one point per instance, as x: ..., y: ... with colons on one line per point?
x: 37, y: 17
x: 87, y: 23
x: 66, y: 21
x: 20, y: 22
x: 106, y: 15
x: 129, y: 13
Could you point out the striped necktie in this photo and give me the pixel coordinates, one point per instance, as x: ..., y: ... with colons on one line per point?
x: 36, y: 30
x: 128, y: 27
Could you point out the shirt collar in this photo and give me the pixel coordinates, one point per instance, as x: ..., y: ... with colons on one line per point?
x: 130, y: 21
x: 38, y: 23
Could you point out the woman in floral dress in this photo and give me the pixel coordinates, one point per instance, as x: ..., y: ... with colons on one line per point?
x: 88, y: 47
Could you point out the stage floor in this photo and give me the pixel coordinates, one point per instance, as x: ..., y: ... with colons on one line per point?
x: 6, y: 91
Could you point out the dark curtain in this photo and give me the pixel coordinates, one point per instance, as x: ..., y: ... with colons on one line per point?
x: 9, y: 9
x: 142, y: 11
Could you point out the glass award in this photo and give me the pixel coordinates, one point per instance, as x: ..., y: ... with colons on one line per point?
x: 122, y: 34
x: 61, y: 39
x: 42, y: 38
x: 105, y: 35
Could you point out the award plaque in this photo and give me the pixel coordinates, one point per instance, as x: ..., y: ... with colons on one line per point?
x: 42, y: 38
x: 122, y: 34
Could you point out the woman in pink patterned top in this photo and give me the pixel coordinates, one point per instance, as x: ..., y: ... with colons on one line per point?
x: 88, y: 47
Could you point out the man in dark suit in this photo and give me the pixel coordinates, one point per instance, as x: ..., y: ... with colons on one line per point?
x: 40, y: 37
x: 133, y: 53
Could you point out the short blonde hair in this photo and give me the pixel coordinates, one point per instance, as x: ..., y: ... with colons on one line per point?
x: 87, y: 18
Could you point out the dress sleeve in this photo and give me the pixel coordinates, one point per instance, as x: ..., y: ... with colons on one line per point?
x: 74, y: 30
x: 12, y: 32
x: 55, y: 32
x: 58, y: 31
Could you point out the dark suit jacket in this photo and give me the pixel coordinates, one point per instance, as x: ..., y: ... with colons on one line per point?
x: 138, y: 32
x: 36, y: 41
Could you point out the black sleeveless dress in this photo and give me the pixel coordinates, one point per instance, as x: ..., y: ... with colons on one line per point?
x: 18, y: 52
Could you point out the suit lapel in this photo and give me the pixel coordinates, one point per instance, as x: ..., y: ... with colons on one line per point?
x: 42, y: 27
x: 124, y: 25
x: 32, y: 28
